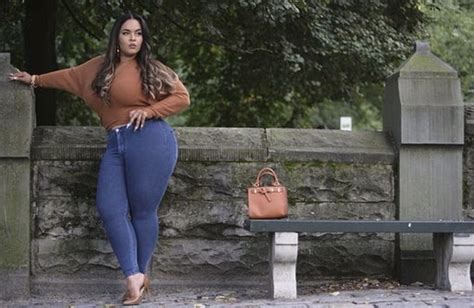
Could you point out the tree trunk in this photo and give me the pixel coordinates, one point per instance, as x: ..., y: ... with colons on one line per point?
x: 40, y: 52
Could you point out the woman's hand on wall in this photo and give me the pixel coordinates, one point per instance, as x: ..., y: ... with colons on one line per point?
x: 21, y: 76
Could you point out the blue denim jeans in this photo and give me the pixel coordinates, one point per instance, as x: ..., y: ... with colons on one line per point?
x: 134, y: 173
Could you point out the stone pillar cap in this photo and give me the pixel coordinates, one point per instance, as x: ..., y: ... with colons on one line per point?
x: 424, y: 62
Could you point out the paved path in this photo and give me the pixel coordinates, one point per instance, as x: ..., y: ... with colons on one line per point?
x: 405, y: 296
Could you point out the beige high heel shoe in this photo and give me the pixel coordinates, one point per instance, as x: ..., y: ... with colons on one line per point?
x: 144, y: 292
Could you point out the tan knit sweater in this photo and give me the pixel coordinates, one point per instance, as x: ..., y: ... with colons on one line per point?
x: 125, y: 92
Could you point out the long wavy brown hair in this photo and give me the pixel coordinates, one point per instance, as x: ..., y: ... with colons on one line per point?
x: 156, y: 77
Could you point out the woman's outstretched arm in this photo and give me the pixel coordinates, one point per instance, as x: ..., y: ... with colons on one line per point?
x: 75, y: 80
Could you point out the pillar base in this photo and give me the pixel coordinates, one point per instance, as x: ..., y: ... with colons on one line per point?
x: 416, y: 266
x: 15, y: 284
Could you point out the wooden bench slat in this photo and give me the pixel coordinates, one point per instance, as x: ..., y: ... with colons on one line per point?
x: 385, y: 226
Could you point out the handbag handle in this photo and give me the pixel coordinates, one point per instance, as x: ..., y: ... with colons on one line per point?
x: 266, y: 171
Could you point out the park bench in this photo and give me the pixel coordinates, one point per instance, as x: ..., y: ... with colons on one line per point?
x: 453, y: 245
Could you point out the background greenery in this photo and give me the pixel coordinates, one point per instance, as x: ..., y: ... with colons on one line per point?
x: 262, y: 63
x: 450, y: 30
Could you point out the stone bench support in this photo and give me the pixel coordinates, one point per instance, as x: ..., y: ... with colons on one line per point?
x: 454, y: 254
x: 283, y: 255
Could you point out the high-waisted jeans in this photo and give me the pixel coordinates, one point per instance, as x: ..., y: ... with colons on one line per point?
x: 134, y: 173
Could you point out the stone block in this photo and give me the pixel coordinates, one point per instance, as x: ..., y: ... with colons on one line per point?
x: 469, y: 154
x: 14, y: 213
x: 337, y: 182
x: 429, y: 124
x: 469, y: 127
x: 345, y: 256
x: 68, y: 143
x: 64, y: 217
x: 16, y: 113
x: 221, y: 144
x: 216, y: 181
x: 430, y: 182
x: 328, y: 145
x: 107, y: 288
x: 343, y: 210
x: 61, y: 178
x: 203, y: 218
x: 88, y: 257
x: 14, y: 227
x: 211, y: 260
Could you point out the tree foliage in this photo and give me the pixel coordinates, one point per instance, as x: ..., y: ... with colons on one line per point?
x: 265, y: 63
x: 450, y: 30
x: 268, y: 63
x: 11, y: 37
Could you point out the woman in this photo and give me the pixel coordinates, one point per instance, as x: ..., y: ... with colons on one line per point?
x: 131, y: 93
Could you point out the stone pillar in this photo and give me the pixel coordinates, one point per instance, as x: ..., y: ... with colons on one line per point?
x: 424, y: 114
x: 16, y: 126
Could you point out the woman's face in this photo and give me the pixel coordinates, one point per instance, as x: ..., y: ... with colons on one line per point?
x: 130, y: 38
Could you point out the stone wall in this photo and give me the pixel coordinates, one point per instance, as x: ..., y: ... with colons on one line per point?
x: 329, y: 174
x: 468, y: 162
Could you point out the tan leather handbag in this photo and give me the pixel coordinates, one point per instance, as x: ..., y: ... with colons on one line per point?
x: 267, y: 202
